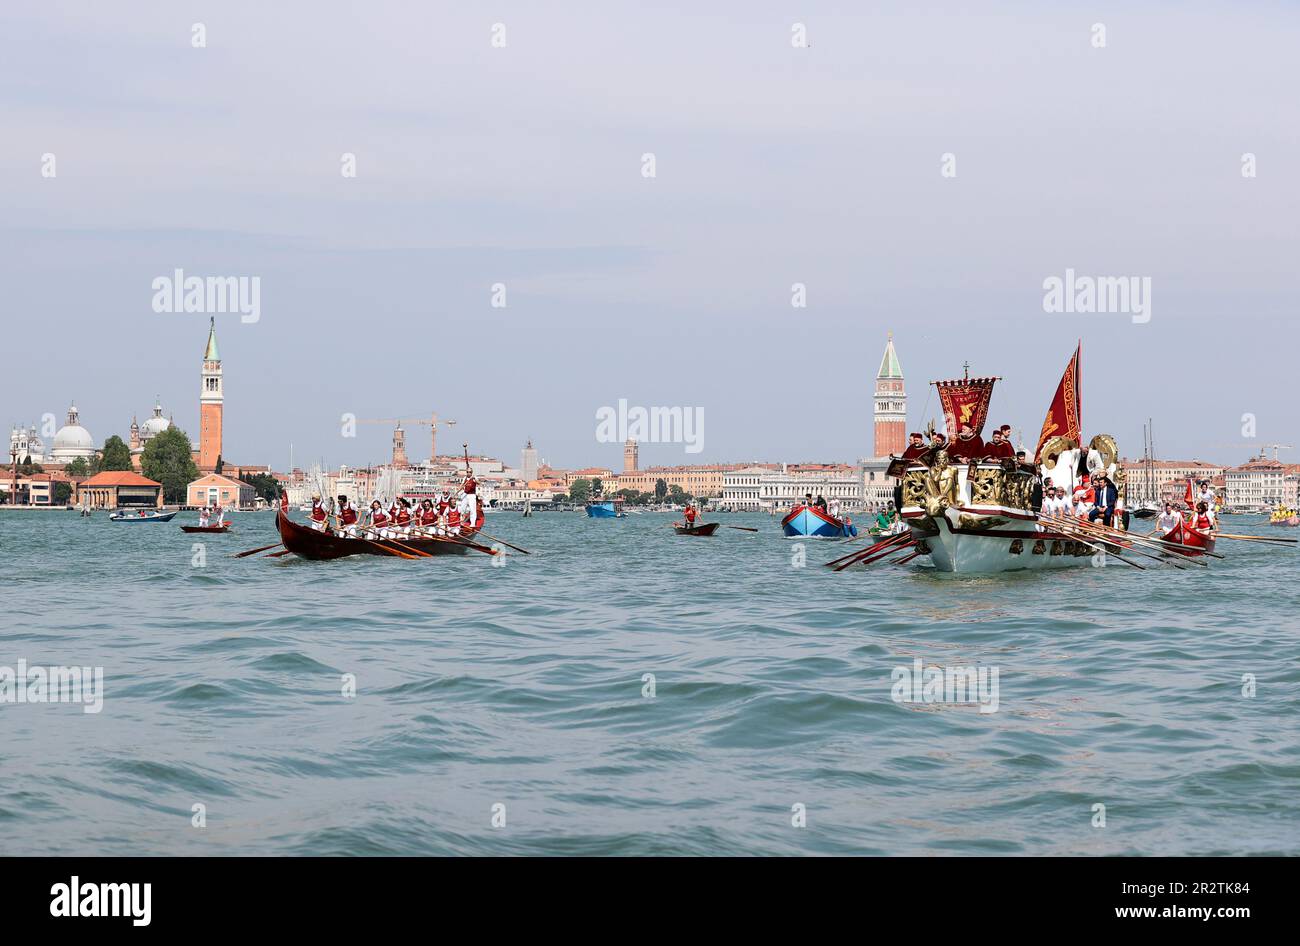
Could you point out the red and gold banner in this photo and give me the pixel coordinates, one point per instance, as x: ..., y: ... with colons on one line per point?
x: 1063, y: 417
x: 965, y: 402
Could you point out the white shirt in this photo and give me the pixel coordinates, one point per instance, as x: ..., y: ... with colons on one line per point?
x: 1168, y: 520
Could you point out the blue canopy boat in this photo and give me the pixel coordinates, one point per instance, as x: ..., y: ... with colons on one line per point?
x: 605, y: 509
x: 809, y: 520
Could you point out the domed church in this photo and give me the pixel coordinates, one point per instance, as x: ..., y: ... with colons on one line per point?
x: 141, y: 435
x: 73, y: 441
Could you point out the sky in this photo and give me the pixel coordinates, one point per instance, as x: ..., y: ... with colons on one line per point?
x: 774, y: 164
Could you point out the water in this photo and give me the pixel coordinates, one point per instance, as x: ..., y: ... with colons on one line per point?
x: 522, y: 686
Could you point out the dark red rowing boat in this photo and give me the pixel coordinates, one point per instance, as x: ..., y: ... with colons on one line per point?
x: 706, y: 528
x: 307, y: 542
x: 222, y: 528
x: 1192, y: 543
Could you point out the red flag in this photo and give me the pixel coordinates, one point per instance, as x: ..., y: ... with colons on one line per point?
x: 1063, y: 417
x: 1187, y: 495
x: 965, y: 401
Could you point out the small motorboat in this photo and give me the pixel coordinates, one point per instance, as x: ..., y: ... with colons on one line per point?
x: 224, y: 527
x: 123, y: 516
x: 813, y: 521
x: 704, y: 528
x: 605, y: 509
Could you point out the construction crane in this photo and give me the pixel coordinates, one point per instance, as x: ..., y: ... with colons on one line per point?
x: 399, y: 435
x: 1276, y: 447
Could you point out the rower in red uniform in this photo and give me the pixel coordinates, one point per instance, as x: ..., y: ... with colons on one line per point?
x: 916, y: 449
x: 378, y: 519
x: 318, y: 514
x: 1201, y: 522
x: 428, y: 515
x: 967, y: 446
x: 453, y: 521
x: 690, y: 514
x: 347, y: 517
x: 403, y: 518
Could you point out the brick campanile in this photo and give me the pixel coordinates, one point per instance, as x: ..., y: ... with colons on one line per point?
x: 211, y: 400
x: 890, y: 405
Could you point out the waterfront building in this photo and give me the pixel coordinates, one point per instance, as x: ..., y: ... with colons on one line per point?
x: 760, y: 488
x: 119, y: 489
x: 1258, y: 484
x: 215, y: 489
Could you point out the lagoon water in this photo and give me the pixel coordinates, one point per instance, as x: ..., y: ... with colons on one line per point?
x: 522, y: 686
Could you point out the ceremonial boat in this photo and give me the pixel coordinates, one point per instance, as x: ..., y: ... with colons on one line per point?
x: 1284, y: 516
x: 147, y: 517
x: 707, y: 528
x: 310, y: 543
x: 813, y: 521
x: 981, y: 516
x: 605, y: 509
x: 220, y: 528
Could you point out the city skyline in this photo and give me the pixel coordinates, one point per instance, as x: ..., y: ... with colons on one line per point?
x: 821, y: 167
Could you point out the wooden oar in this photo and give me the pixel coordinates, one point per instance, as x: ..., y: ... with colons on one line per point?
x: 1135, y: 544
x: 255, y: 551
x: 742, y: 528
x: 1135, y: 538
x: 454, y: 540
x: 862, y: 553
x: 279, y: 554
x: 1131, y: 547
x: 501, y: 541
x: 1079, y: 536
x: 905, y: 559
x: 884, y: 553
x: 1256, y: 538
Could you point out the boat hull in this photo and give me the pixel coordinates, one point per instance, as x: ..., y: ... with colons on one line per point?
x: 1007, y: 546
x: 205, y: 529
x: 309, y: 543
x: 164, y: 517
x: 707, y: 528
x: 807, y: 521
x: 607, y: 509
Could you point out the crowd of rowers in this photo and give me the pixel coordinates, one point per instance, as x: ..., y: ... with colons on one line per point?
x: 1095, y: 497
x: 446, y: 514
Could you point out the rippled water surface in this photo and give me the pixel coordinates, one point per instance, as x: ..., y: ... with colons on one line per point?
x: 522, y: 686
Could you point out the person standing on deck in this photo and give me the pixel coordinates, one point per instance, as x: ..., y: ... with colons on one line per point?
x: 968, y: 445
x: 689, y: 514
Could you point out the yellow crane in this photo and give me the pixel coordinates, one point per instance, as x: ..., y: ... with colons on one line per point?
x: 399, y: 435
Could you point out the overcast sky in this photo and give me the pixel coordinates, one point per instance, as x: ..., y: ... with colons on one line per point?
x: 774, y: 165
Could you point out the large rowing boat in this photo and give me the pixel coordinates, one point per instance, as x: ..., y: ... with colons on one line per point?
x: 310, y: 543
x: 815, y: 521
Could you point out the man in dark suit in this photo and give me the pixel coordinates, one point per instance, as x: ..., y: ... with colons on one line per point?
x: 1106, y: 498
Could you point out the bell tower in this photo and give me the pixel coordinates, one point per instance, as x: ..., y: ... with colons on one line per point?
x: 211, y: 400
x: 631, y: 459
x: 890, y: 405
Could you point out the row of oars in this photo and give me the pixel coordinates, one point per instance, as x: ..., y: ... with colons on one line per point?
x: 878, y: 552
x: 401, y: 550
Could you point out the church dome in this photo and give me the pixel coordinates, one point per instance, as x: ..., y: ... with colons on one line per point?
x: 154, y: 425
x: 73, y: 440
